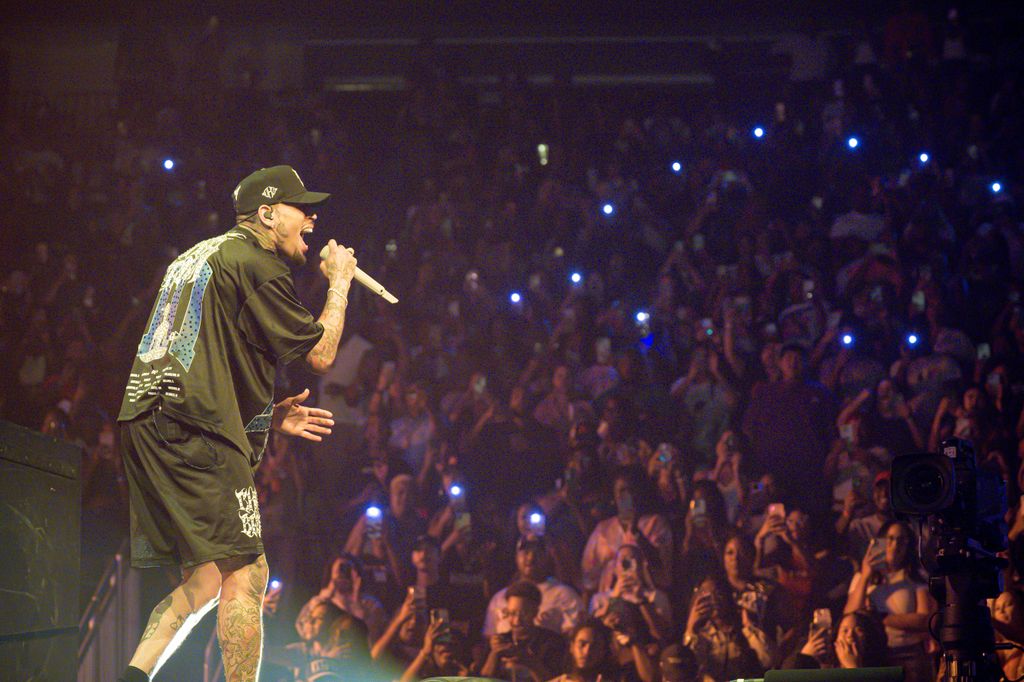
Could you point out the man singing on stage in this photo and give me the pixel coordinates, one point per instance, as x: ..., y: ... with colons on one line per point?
x: 199, y: 404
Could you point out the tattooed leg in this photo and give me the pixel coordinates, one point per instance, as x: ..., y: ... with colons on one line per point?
x: 175, y: 616
x: 240, y: 617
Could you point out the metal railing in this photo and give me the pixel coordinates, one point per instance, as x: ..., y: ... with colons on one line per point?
x: 109, y: 626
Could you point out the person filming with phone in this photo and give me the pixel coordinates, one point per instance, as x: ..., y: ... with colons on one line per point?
x: 632, y: 524
x: 630, y: 586
x: 527, y: 651
x: 726, y: 643
x: 859, y: 642
x: 890, y: 584
x: 561, y: 607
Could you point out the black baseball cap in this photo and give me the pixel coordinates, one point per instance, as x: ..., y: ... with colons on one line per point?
x: 274, y: 185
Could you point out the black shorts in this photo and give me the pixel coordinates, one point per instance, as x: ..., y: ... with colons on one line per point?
x: 192, y: 495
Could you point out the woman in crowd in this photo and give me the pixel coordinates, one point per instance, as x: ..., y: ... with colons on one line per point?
x: 860, y: 642
x: 590, y: 656
x: 750, y: 592
x: 784, y: 553
x: 705, y: 531
x: 333, y: 648
x: 665, y: 469
x: 728, y: 472
x: 969, y: 418
x: 724, y: 638
x: 890, y: 584
x: 440, y: 655
x: 343, y: 580
x: 1008, y: 622
x: 402, y: 641
x: 630, y: 582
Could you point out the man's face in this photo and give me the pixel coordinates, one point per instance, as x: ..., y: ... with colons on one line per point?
x: 560, y: 378
x: 791, y: 364
x: 530, y: 564
x: 521, y: 615
x: 620, y: 488
x: 425, y: 559
x: 289, y: 225
x: 341, y: 575
x: 414, y: 403
x: 881, y: 496
x: 400, y: 490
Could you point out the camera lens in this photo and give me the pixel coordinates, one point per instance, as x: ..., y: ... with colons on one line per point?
x: 925, y: 484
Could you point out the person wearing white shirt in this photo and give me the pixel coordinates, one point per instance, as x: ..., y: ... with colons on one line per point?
x: 632, y: 526
x: 561, y: 607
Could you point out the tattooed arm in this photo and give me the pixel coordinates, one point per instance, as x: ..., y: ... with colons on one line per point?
x: 338, y: 268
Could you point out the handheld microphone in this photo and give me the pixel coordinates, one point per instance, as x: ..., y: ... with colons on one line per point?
x: 364, y: 279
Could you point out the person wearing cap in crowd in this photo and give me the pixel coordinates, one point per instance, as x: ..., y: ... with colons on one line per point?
x: 199, y: 404
x: 790, y: 423
x: 561, y: 607
x: 862, y: 530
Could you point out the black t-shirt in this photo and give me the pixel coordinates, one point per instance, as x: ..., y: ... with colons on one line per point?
x: 225, y: 315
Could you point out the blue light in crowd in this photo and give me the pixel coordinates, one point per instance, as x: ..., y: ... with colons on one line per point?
x: 608, y: 209
x: 168, y: 164
x: 536, y: 517
x: 275, y: 583
x: 642, y: 317
x: 758, y: 132
x: 912, y: 339
x: 515, y: 297
x: 847, y: 339
x: 677, y: 167
x: 924, y: 157
x: 373, y: 512
x: 996, y: 187
x: 455, y: 490
x: 575, y: 278
x: 853, y: 143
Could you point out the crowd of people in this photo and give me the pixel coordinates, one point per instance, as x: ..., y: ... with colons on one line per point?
x: 634, y: 414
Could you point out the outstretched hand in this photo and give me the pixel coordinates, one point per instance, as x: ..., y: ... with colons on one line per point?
x: 292, y: 418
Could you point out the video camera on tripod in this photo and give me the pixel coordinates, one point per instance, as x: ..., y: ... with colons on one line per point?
x: 964, y: 509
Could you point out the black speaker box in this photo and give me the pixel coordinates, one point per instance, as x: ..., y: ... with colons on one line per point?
x: 40, y: 515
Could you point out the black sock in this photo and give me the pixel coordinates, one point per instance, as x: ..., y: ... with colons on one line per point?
x: 133, y: 674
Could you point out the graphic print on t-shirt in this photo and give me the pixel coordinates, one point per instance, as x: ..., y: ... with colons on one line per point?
x: 172, y: 331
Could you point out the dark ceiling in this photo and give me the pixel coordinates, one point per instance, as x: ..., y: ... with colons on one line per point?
x: 426, y: 17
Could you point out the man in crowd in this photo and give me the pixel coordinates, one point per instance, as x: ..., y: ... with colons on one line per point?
x: 561, y: 607
x: 789, y: 422
x: 527, y: 651
x: 199, y: 404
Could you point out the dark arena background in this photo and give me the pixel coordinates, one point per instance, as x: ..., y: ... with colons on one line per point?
x: 677, y: 284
